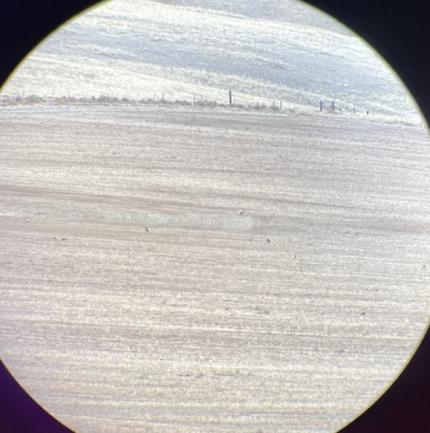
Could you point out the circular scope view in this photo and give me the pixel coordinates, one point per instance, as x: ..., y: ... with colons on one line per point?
x: 214, y: 218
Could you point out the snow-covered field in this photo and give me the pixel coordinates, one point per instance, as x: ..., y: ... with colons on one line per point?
x: 182, y: 270
x: 261, y: 50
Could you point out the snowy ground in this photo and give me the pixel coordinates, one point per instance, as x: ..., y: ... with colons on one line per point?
x: 176, y: 270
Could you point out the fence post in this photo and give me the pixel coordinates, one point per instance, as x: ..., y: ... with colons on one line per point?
x: 230, y: 97
x: 321, y: 106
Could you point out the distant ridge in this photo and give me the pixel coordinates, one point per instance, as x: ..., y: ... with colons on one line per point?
x: 262, y: 50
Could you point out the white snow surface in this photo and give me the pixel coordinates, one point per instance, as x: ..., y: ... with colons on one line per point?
x: 194, y: 270
x: 185, y: 49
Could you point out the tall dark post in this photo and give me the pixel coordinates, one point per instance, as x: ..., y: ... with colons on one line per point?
x: 321, y: 106
x: 230, y: 97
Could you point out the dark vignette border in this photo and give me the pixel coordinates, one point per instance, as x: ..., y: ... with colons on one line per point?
x: 400, y: 31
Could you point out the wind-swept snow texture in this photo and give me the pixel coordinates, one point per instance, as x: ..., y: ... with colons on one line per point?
x: 204, y: 271
x: 261, y: 50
